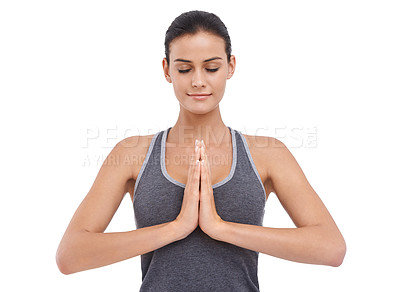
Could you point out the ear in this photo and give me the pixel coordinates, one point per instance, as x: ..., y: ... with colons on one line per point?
x: 166, y: 70
x: 231, y: 67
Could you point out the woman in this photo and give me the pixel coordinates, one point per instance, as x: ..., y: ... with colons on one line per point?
x: 199, y: 194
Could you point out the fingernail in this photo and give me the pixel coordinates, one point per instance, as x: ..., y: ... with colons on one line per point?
x: 202, y: 143
x: 197, y: 162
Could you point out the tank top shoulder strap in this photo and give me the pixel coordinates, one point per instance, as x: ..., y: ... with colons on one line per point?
x: 247, y: 161
x: 149, y: 155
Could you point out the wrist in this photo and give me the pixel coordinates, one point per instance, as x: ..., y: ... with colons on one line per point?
x: 176, y: 230
x: 218, y: 230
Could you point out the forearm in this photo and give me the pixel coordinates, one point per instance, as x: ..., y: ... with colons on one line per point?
x: 311, y: 244
x: 85, y: 250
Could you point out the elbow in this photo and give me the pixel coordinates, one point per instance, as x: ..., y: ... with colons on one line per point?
x: 337, y: 253
x: 69, y: 255
x: 62, y: 267
x: 64, y: 262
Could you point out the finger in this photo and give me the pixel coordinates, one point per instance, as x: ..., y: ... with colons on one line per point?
x: 196, y: 152
x: 205, y: 181
x: 196, y: 176
x: 202, y: 151
x: 206, y: 165
x: 192, y: 167
x: 208, y: 171
x: 205, y: 155
x: 206, y: 176
x: 201, y: 160
x: 203, y: 177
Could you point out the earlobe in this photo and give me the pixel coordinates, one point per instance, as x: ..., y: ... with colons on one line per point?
x: 166, y: 70
x: 167, y: 77
x: 232, y: 65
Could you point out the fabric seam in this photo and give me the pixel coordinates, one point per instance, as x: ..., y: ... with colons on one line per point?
x: 142, y: 168
x: 246, y: 146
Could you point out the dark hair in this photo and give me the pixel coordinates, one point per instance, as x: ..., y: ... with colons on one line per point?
x: 193, y: 22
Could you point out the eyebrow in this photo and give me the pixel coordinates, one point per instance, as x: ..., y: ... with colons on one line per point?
x: 187, y: 61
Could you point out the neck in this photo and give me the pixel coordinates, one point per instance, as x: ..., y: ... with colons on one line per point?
x: 208, y: 127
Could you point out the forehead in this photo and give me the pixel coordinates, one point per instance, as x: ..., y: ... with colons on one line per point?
x: 197, y: 47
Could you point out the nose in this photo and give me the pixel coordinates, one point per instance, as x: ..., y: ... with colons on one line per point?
x: 198, y: 79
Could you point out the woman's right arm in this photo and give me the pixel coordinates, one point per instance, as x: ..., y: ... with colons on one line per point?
x: 84, y: 245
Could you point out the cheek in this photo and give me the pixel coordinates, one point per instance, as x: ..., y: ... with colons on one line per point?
x: 217, y: 81
x: 182, y: 80
x: 178, y: 82
x: 180, y: 86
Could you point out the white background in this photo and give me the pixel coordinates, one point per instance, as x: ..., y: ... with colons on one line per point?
x: 306, y: 70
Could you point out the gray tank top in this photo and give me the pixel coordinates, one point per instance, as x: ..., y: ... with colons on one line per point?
x: 198, y: 262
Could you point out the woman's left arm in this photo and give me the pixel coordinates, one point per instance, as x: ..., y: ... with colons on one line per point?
x: 316, y: 240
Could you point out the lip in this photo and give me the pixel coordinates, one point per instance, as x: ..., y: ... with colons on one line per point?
x: 200, y: 96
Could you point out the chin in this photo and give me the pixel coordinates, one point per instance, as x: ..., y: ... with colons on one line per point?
x: 196, y: 109
x: 200, y: 110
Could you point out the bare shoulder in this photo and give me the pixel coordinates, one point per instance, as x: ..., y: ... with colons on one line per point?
x: 262, y: 142
x: 265, y: 151
x: 133, y: 152
x: 266, y: 148
x: 135, y: 149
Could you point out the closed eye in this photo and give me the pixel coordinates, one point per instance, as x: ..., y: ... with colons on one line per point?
x: 183, y: 71
x: 209, y: 70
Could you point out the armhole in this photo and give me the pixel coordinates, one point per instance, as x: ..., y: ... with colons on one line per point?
x: 253, y: 165
x: 153, y: 140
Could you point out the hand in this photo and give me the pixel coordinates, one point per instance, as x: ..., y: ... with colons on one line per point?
x: 209, y: 220
x: 188, y: 218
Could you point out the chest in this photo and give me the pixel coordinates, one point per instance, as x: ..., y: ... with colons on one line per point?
x: 239, y: 199
x: 177, y: 163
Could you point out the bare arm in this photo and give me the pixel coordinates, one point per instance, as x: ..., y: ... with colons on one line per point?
x: 85, y: 245
x: 316, y: 240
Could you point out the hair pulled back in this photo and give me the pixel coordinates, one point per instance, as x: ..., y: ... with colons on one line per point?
x: 192, y: 22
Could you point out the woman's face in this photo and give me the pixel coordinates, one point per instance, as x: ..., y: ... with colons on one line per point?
x: 198, y: 65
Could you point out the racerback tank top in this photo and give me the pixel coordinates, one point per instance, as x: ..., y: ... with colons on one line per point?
x: 198, y: 262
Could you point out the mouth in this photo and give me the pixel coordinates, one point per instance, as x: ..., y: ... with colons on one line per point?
x: 200, y: 96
